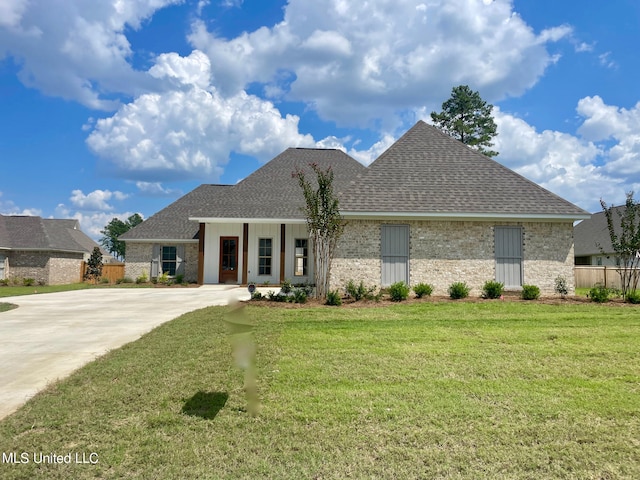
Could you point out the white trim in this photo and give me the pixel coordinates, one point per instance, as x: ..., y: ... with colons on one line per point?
x: 461, y: 216
x: 247, y: 220
x: 158, y: 240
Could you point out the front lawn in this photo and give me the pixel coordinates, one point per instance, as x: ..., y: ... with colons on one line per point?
x: 480, y: 390
x: 13, y: 290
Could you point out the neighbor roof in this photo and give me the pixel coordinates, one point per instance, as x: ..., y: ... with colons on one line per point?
x: 428, y: 172
x: 36, y: 233
x: 591, y: 234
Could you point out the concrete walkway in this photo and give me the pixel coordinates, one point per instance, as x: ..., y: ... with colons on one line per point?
x: 51, y: 335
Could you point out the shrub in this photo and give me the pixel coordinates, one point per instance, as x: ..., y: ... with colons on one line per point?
x: 104, y: 280
x: 561, y: 286
x: 633, y: 297
x: 492, y: 289
x: 28, y: 282
x: 359, y: 292
x: 256, y: 295
x: 422, y: 290
x: 4, y: 282
x: 125, y: 280
x: 530, y: 292
x: 142, y: 278
x: 599, y: 294
x: 299, y: 295
x: 333, y: 298
x: 459, y: 290
x: 180, y: 279
x: 399, y: 291
x: 286, y: 287
x: 276, y: 297
x: 163, y: 278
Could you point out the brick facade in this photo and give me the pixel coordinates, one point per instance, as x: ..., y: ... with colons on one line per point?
x: 443, y: 252
x: 49, y: 268
x: 139, y: 256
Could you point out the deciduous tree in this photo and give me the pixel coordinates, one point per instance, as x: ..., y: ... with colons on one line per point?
x: 94, y: 266
x: 623, y: 224
x: 324, y: 222
x: 113, y: 230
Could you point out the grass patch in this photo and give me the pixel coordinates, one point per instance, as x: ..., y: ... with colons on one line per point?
x: 432, y: 390
x: 12, y: 291
x: 7, y: 306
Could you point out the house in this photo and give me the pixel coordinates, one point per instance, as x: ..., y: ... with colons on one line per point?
x: 593, y: 242
x: 50, y: 251
x: 429, y: 209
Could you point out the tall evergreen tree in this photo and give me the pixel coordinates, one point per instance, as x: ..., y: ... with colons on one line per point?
x: 113, y: 230
x: 466, y: 117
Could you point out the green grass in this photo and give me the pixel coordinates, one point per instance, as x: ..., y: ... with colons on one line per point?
x: 435, y: 390
x: 11, y: 291
x: 6, y: 306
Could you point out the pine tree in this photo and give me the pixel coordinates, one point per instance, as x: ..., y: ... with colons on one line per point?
x: 94, y: 266
x: 466, y: 117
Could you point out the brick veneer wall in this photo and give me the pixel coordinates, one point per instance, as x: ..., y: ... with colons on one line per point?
x: 50, y: 268
x: 443, y: 252
x: 139, y: 256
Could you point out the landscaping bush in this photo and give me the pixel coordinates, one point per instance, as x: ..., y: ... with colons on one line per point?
x: 333, y: 298
x: 459, y: 290
x: 4, y: 282
x: 399, y: 291
x: 299, y: 295
x: 124, y: 280
x: 286, y: 287
x: 180, y: 279
x: 359, y: 292
x: 28, y: 282
x: 561, y: 286
x: 422, y: 290
x: 492, y: 289
x: 163, y: 278
x: 530, y: 292
x: 633, y: 297
x: 276, y: 297
x: 256, y: 295
x: 599, y: 294
x: 104, y: 280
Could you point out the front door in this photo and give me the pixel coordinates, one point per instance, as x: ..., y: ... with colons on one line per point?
x: 228, y: 259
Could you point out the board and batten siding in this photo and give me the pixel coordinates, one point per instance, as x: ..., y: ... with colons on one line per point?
x: 394, y: 246
x: 509, y: 255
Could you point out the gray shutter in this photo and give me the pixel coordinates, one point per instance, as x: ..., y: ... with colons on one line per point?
x: 2, y: 267
x: 508, y: 248
x: 180, y: 262
x: 155, y: 260
x: 394, y: 246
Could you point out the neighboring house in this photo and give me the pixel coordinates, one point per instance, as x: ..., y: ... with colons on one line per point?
x: 48, y: 250
x: 593, y: 242
x: 429, y: 209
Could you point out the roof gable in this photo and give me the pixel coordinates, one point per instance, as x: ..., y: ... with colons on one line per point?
x: 428, y: 172
x: 36, y: 233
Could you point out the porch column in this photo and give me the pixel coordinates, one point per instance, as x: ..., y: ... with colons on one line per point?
x: 282, y: 252
x: 201, y: 255
x: 245, y: 253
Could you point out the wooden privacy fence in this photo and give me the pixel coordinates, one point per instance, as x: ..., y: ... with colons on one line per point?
x: 112, y: 271
x: 588, y: 276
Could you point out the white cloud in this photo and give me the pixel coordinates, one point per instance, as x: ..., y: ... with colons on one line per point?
x: 77, y: 50
x: 96, y: 200
x: 8, y: 207
x: 90, y: 222
x: 189, y: 133
x: 155, y: 189
x: 358, y: 61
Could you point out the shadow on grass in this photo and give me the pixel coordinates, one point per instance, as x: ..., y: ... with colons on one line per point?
x: 205, y: 404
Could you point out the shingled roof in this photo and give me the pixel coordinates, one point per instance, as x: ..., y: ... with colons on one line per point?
x: 427, y: 172
x: 36, y: 233
x: 593, y: 233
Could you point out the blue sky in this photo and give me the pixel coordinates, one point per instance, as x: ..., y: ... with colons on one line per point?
x: 117, y: 107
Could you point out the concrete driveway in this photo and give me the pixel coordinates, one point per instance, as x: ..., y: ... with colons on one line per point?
x: 51, y: 335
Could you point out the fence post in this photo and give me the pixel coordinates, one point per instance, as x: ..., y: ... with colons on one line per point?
x: 605, y: 276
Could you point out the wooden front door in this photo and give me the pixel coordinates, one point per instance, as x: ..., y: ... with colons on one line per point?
x: 228, y: 259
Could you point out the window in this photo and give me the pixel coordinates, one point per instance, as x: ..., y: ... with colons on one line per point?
x: 169, y: 260
x: 264, y: 256
x: 301, y: 257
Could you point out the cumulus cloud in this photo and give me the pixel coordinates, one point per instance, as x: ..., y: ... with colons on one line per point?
x: 91, y: 223
x: 8, y: 207
x: 156, y: 189
x: 77, y: 50
x: 189, y: 133
x: 358, y: 61
x: 96, y: 200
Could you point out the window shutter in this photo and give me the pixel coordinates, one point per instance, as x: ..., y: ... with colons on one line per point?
x: 155, y: 260
x: 180, y: 262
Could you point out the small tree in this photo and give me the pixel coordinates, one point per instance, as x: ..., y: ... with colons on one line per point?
x: 324, y: 222
x: 625, y: 241
x: 466, y: 117
x: 94, y: 266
